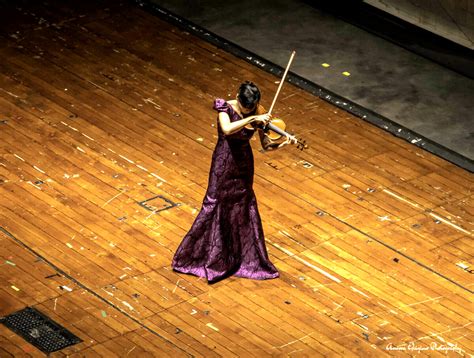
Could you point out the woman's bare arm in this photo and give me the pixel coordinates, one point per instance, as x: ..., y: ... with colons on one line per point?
x: 229, y: 127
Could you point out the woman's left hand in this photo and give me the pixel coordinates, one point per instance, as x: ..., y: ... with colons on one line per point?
x: 290, y: 139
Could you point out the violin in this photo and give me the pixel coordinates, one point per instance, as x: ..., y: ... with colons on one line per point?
x: 276, y: 129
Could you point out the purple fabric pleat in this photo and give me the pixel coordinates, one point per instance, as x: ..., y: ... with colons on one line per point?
x: 227, y: 237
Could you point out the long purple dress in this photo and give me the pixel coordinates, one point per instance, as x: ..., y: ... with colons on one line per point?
x: 227, y: 236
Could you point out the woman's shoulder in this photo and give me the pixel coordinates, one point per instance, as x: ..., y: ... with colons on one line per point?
x: 221, y: 105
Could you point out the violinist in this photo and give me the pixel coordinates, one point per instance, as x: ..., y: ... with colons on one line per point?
x: 227, y: 237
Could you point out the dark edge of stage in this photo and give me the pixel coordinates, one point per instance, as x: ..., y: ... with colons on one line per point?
x: 311, y: 87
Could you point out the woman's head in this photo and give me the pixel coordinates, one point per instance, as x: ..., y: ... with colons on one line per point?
x: 248, y: 96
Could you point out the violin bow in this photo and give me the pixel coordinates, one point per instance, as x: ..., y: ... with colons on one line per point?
x: 282, y: 81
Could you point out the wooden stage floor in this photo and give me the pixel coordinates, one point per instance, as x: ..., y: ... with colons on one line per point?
x: 109, y: 106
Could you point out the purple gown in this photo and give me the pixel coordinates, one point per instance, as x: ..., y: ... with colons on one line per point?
x: 227, y: 236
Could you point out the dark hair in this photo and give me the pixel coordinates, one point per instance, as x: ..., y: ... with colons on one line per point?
x: 248, y: 95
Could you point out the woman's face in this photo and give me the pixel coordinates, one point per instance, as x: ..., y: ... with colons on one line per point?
x: 244, y: 110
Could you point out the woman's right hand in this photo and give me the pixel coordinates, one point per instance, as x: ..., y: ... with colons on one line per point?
x: 262, y: 119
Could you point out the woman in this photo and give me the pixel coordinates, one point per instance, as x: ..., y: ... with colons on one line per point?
x: 227, y: 235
